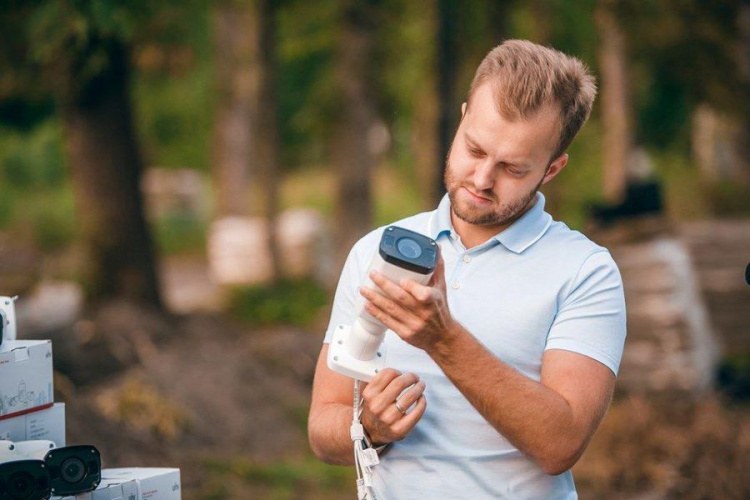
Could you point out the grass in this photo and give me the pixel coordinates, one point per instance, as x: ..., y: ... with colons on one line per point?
x: 300, y: 478
x: 291, y: 302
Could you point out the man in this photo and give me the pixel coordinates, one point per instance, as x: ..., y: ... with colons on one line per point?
x: 517, y: 339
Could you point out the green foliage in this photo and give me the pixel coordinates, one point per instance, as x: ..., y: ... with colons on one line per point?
x: 304, y: 477
x: 173, y: 87
x: 181, y: 234
x: 293, y: 302
x: 37, y: 200
x: 32, y: 160
x: 307, y: 92
x: 578, y: 185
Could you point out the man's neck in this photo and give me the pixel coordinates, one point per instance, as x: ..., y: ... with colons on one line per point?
x: 473, y: 235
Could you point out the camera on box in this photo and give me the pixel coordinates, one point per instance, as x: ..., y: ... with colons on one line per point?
x: 36, y: 469
x: 7, y: 318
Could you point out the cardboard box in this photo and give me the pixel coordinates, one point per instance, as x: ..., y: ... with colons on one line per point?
x: 25, y: 377
x: 47, y: 424
x: 135, y: 484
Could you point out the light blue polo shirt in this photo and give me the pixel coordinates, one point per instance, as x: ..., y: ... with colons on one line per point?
x: 537, y: 285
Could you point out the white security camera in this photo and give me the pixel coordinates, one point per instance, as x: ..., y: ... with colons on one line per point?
x: 355, y: 350
x: 7, y: 318
x: 70, y: 470
x: 22, y: 477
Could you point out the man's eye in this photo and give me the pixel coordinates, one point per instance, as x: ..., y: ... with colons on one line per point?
x: 514, y: 172
x: 475, y: 152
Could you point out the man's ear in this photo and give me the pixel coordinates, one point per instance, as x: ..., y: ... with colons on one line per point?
x: 463, y: 110
x: 555, y: 168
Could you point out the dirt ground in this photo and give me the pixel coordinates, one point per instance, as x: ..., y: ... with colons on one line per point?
x: 228, y: 406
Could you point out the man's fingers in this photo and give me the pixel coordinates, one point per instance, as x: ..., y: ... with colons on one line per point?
x: 379, y: 404
x: 399, y: 385
x: 392, y: 290
x: 421, y: 294
x: 404, y: 425
x: 379, y: 382
x: 410, y: 395
x: 388, y: 319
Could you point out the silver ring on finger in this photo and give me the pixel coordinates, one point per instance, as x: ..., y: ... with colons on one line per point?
x: 398, y: 407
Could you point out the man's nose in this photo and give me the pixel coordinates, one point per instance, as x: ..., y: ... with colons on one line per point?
x: 484, y: 175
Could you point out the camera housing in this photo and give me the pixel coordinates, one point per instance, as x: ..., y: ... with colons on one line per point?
x: 7, y: 318
x: 69, y: 470
x: 355, y: 350
x: 22, y: 478
x: 74, y: 469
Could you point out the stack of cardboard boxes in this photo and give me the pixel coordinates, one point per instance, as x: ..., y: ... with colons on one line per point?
x: 28, y: 412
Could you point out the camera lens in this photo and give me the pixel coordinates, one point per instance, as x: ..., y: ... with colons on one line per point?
x: 409, y: 248
x: 72, y: 470
x: 21, y: 486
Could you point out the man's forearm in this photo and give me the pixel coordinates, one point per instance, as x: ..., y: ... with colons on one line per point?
x: 328, y: 431
x: 534, y: 418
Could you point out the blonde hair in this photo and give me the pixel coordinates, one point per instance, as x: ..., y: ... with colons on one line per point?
x: 526, y: 77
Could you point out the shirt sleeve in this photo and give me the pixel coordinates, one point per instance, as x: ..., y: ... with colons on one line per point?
x: 592, y: 320
x: 345, y: 299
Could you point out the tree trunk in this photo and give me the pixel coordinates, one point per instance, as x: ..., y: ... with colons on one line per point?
x: 615, y: 99
x: 352, y: 155
x: 541, y: 12
x: 235, y: 31
x: 425, y: 143
x: 743, y: 139
x: 267, y: 128
x: 450, y: 113
x: 106, y: 168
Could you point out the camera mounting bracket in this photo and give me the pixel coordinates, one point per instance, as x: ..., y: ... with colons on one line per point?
x: 341, y: 361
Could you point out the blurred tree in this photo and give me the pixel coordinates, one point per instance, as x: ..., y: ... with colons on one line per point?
x: 235, y: 29
x: 447, y: 74
x: 743, y: 54
x: 83, y: 50
x: 615, y: 101
x: 267, y: 131
x: 425, y: 141
x: 246, y: 136
x: 353, y: 154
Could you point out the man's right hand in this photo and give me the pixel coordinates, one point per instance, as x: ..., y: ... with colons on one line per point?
x: 383, y: 420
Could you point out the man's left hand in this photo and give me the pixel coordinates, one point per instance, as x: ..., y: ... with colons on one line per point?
x: 418, y: 314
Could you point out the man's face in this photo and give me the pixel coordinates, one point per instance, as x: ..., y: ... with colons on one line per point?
x: 496, y: 166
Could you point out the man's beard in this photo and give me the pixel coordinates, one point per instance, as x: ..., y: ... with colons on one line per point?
x: 499, y: 214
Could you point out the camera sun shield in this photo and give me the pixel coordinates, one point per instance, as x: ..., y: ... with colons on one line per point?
x: 408, y: 250
x: 24, y: 480
x: 74, y: 469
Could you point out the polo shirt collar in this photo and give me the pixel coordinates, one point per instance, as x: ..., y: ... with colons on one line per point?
x: 523, y: 233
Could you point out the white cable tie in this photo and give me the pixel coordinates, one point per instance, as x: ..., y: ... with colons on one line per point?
x: 369, y: 457
x: 361, y: 490
x: 367, y: 478
x: 357, y: 432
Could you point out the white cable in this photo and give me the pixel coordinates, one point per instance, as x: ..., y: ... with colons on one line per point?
x: 365, y: 457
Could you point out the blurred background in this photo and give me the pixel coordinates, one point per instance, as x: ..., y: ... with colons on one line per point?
x: 180, y: 182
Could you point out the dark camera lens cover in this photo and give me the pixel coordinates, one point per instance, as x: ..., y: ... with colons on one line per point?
x: 408, y: 250
x: 24, y: 480
x: 74, y: 469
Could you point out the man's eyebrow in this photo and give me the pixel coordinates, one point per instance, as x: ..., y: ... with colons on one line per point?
x: 470, y: 139
x: 473, y: 143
